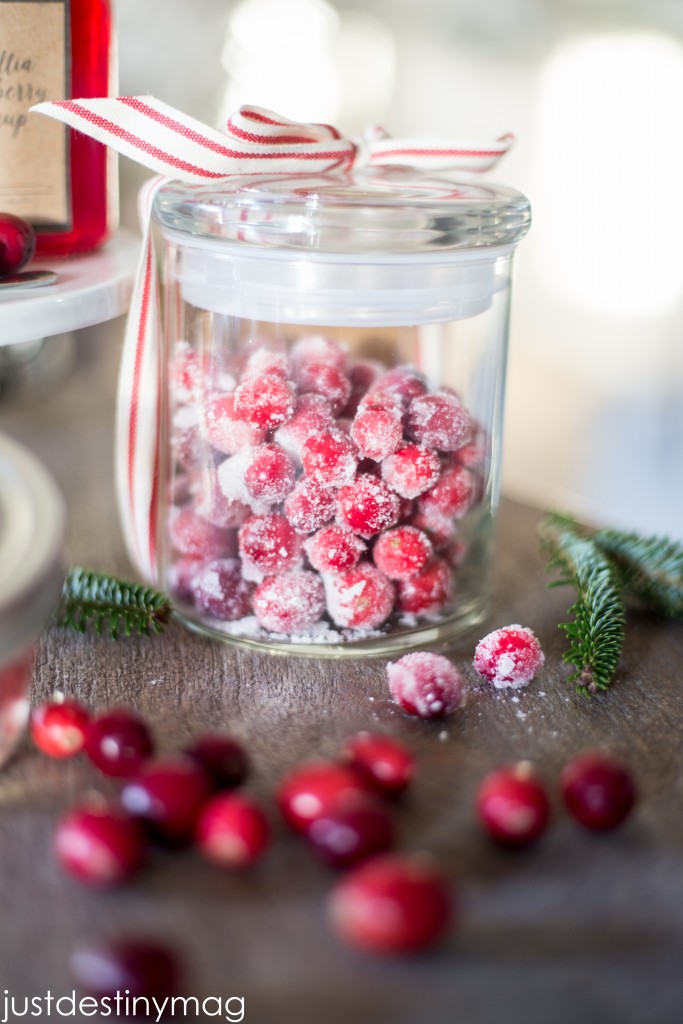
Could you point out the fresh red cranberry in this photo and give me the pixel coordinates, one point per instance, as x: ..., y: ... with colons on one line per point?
x: 326, y: 380
x: 510, y: 656
x: 219, y: 590
x: 100, y: 844
x: 269, y: 544
x: 313, y: 789
x: 411, y: 470
x: 351, y: 831
x: 289, y: 602
x: 232, y: 831
x: 168, y: 794
x: 312, y: 414
x: 267, y: 401
x: 137, y: 968
x: 598, y: 790
x: 451, y: 496
x: 222, y: 757
x: 367, y: 506
x: 309, y: 505
x: 402, y: 552
x: 439, y: 420
x: 384, y: 763
x: 333, y: 549
x: 225, y: 429
x: 512, y: 805
x: 58, y: 727
x: 427, y: 591
x: 425, y: 684
x: 391, y: 904
x: 359, y: 598
x: 17, y: 243
x: 269, y: 477
x: 330, y: 458
x: 118, y: 742
x: 377, y: 432
x: 191, y: 534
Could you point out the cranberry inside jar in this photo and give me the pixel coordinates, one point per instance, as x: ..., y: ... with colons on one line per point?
x: 334, y: 368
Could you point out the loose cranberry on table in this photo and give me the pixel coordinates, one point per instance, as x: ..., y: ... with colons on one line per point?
x: 391, y: 904
x: 222, y: 757
x: 512, y: 805
x: 425, y: 684
x: 118, y: 742
x: 168, y: 794
x: 232, y: 831
x: 384, y: 763
x: 351, y: 831
x: 58, y: 727
x: 598, y: 790
x: 100, y: 844
x: 17, y: 243
x: 138, y: 968
x: 510, y: 656
x: 314, y: 788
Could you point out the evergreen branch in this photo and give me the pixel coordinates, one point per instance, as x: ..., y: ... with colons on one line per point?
x: 596, y: 633
x: 97, y: 601
x: 650, y: 567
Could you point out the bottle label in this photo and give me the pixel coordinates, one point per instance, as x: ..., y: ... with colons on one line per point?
x: 34, y: 66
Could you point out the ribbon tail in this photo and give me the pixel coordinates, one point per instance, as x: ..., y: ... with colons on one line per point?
x: 439, y: 154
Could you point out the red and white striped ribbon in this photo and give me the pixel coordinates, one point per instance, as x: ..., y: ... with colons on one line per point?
x: 253, y: 141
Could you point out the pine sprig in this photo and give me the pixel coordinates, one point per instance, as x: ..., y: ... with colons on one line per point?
x: 97, y: 601
x: 651, y: 568
x: 596, y: 633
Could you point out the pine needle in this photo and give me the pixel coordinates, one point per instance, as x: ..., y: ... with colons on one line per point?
x: 651, y: 568
x: 99, y: 602
x: 596, y: 633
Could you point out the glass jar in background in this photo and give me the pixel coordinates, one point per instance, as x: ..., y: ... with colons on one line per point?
x: 335, y: 354
x: 31, y: 575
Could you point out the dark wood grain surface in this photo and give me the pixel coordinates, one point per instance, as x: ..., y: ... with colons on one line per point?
x: 581, y: 929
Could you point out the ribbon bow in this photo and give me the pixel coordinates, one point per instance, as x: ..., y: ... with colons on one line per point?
x: 253, y: 141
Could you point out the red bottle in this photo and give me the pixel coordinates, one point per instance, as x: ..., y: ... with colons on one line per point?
x: 54, y: 177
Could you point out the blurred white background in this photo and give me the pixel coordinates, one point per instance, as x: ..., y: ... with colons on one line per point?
x: 593, y: 91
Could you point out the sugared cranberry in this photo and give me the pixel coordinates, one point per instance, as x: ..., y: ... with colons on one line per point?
x: 219, y: 590
x: 403, y: 381
x: 402, y: 552
x: 330, y: 458
x: 425, y: 684
x: 269, y: 475
x: 360, y: 598
x: 351, y: 831
x: 333, y: 549
x: 222, y: 757
x: 269, y: 544
x: 191, y: 534
x: 214, y: 505
x: 316, y: 348
x: 168, y: 795
x: 451, y: 496
x: 17, y: 243
x: 391, y: 904
x: 100, y: 844
x: 510, y: 656
x: 225, y: 429
x: 232, y: 831
x: 313, y: 789
x: 411, y: 470
x: 377, y: 432
x: 427, y: 591
x: 264, y: 360
x: 267, y: 401
x: 185, y: 436
x: 384, y: 763
x: 362, y: 373
x: 440, y: 530
x: 118, y: 742
x: 439, y: 420
x: 189, y: 373
x: 58, y: 727
x: 512, y: 805
x: 312, y: 414
x: 367, y: 506
x: 289, y: 602
x: 308, y: 506
x: 134, y: 968
x: 326, y: 380
x: 598, y: 790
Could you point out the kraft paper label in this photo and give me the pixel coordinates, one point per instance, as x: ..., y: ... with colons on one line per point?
x: 34, y: 66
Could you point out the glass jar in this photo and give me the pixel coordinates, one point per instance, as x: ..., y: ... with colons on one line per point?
x: 31, y: 535
x: 334, y: 371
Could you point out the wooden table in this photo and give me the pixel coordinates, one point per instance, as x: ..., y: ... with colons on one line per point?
x: 579, y: 929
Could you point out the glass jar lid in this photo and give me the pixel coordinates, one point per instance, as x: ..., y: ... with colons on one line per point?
x: 31, y: 535
x: 373, y: 211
